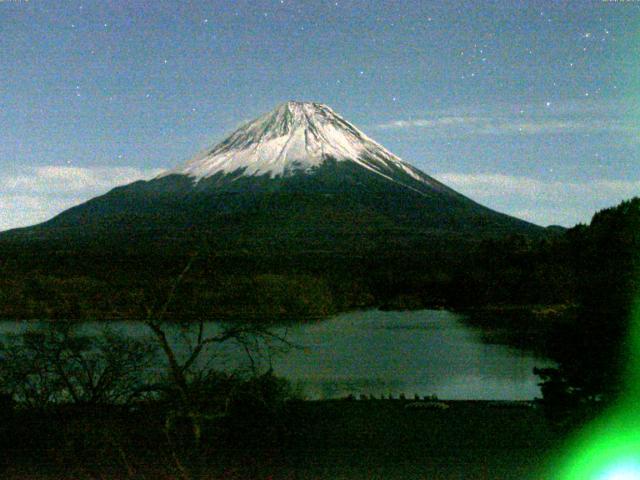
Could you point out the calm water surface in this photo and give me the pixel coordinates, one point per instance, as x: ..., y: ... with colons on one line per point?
x: 378, y: 353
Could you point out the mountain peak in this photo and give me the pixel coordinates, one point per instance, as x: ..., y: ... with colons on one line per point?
x: 296, y: 104
x: 294, y: 137
x: 299, y: 108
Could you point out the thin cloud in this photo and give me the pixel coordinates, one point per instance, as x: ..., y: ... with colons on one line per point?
x: 33, y: 195
x: 71, y: 180
x: 491, y: 185
x: 508, y: 126
x: 539, y: 201
x: 571, y: 116
x: 446, y: 121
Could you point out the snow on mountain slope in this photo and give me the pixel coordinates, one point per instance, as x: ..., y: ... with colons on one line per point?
x: 297, y: 137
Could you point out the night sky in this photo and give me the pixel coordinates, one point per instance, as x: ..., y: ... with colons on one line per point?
x: 530, y: 108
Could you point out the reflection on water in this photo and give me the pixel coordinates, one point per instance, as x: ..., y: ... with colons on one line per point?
x: 377, y: 353
x: 421, y: 352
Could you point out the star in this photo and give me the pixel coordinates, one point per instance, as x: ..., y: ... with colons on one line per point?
x: 548, y: 104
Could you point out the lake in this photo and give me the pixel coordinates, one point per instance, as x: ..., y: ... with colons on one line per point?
x: 378, y: 353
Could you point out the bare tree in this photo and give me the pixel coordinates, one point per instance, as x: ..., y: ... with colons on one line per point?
x: 56, y: 363
x: 184, y: 369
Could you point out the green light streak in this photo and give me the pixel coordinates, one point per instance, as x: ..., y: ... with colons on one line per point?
x: 609, y: 448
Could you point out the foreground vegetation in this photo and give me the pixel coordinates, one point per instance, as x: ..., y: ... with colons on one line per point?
x: 79, y: 407
x: 69, y: 398
x: 306, y: 440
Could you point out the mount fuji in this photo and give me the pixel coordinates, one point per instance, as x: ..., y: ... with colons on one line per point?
x: 298, y: 179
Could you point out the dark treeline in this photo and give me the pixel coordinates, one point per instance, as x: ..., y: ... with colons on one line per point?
x: 581, y: 287
x: 593, y: 346
x: 75, y: 282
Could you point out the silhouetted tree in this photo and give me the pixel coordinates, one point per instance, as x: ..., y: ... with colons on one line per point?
x: 55, y: 362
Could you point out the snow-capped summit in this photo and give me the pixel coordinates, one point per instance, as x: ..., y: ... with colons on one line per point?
x: 295, y: 137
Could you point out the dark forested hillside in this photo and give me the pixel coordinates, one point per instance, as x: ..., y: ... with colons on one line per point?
x: 593, y: 349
